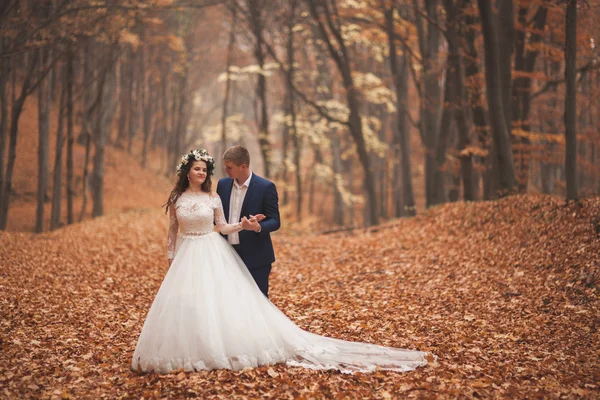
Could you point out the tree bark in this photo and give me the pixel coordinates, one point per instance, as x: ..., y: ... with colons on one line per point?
x: 454, y: 12
x: 571, y: 100
x: 132, y: 102
x: 289, y: 101
x: 431, y: 98
x: 341, y: 57
x: 4, y: 75
x: 403, y: 193
x: 44, y: 100
x: 230, y: 47
x: 90, y: 102
x: 124, y: 99
x: 106, y: 108
x: 292, y: 110
x: 525, y: 59
x: 475, y: 98
x: 438, y: 179
x: 256, y: 8
x: 70, y: 136
x: 506, y: 34
x: 17, y: 108
x: 58, y: 171
x: 147, y: 104
x: 500, y: 131
x: 339, y: 206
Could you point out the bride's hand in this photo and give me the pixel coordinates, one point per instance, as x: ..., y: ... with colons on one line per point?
x: 258, y: 217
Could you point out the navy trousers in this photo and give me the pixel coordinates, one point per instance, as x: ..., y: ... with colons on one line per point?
x: 260, y: 275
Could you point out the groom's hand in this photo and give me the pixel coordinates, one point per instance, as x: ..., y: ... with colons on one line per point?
x: 250, y: 224
x: 259, y: 217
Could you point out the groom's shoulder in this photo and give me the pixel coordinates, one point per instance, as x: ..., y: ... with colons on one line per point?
x: 222, y: 183
x: 263, y: 181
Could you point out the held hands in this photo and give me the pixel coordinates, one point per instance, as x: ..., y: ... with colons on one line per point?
x: 252, y: 223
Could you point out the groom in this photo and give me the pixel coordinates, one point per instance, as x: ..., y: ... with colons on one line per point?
x: 244, y: 196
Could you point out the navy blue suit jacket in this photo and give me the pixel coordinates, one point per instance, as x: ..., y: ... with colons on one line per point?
x: 256, y: 248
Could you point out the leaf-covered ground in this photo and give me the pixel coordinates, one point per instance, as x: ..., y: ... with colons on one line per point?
x: 505, y: 294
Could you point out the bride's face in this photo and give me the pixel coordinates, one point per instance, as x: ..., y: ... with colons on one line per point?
x: 198, y: 173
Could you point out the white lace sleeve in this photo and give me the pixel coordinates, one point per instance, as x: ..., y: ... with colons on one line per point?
x: 172, y: 233
x: 220, y: 221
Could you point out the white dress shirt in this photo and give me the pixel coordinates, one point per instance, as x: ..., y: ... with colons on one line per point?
x: 238, y: 193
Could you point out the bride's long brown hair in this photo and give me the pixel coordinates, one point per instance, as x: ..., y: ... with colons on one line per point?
x: 183, y: 183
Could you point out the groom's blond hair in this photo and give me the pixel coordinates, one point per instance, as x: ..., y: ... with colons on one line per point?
x: 238, y: 155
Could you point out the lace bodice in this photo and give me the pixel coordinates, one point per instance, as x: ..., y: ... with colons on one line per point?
x: 196, y: 214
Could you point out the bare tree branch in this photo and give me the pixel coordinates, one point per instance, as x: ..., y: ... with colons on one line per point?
x: 591, y: 65
x: 318, y: 108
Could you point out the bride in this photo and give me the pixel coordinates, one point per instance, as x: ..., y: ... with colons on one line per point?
x: 209, y: 313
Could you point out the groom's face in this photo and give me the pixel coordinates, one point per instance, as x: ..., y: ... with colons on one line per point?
x: 234, y: 171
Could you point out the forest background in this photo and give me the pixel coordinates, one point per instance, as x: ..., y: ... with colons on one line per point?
x: 360, y: 111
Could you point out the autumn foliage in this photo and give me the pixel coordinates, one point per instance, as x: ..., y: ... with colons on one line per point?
x: 505, y: 293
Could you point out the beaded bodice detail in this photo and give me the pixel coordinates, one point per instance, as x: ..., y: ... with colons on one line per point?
x: 196, y: 214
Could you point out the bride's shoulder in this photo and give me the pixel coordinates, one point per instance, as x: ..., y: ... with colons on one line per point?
x: 214, y: 195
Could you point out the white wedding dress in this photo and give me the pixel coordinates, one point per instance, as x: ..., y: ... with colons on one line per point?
x: 209, y: 313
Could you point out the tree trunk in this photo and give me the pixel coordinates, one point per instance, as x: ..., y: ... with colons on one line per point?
x: 4, y: 75
x: 506, y: 33
x: 230, y: 47
x: 146, y: 101
x: 257, y: 26
x: 500, y: 131
x: 289, y: 101
x: 382, y: 170
x: 318, y: 161
x: 571, y: 100
x: 438, y: 179
x: 291, y: 129
x: 106, y: 108
x: 296, y: 139
x: 58, y: 172
x: 403, y: 194
x: 17, y: 108
x: 548, y: 124
x: 285, y: 144
x: 174, y: 132
x: 165, y: 119
x: 90, y: 102
x: 132, y: 102
x: 405, y: 206
x: 525, y: 59
x: 338, y: 205
x: 70, y: 136
x: 181, y: 113
x: 44, y: 99
x: 343, y: 62
x: 475, y: 94
x: 431, y: 101
x: 459, y: 101
x: 124, y: 99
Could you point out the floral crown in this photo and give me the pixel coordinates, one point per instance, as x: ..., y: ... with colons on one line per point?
x: 197, y: 155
